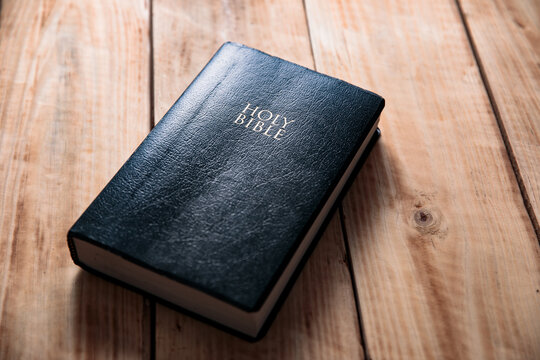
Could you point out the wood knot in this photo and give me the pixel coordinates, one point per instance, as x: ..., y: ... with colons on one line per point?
x: 423, y: 218
x: 428, y: 221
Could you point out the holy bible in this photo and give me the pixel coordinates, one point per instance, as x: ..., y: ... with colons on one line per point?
x: 216, y: 208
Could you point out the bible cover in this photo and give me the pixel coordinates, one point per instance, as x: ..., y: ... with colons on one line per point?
x: 216, y: 208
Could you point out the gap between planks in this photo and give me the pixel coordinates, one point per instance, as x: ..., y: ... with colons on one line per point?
x: 497, y: 114
x: 342, y: 220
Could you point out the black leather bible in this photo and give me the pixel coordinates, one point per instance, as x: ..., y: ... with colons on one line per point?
x: 216, y: 208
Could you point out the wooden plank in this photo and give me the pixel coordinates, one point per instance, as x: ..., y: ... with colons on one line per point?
x: 506, y: 38
x: 445, y: 258
x: 74, y: 104
x: 319, y: 318
x: 187, y: 33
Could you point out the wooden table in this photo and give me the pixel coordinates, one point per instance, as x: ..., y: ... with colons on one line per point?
x: 434, y: 252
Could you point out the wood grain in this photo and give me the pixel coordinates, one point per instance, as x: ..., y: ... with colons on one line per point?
x: 74, y: 104
x: 506, y: 37
x: 187, y: 34
x: 446, y: 261
x: 319, y: 318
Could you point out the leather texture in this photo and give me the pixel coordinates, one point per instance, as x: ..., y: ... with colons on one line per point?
x: 217, y: 205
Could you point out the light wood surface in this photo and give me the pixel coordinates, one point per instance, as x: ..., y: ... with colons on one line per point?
x: 438, y: 224
x: 186, y: 34
x: 445, y: 258
x: 74, y: 104
x: 506, y: 36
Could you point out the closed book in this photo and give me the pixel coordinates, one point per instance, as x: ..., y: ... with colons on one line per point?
x: 216, y: 208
